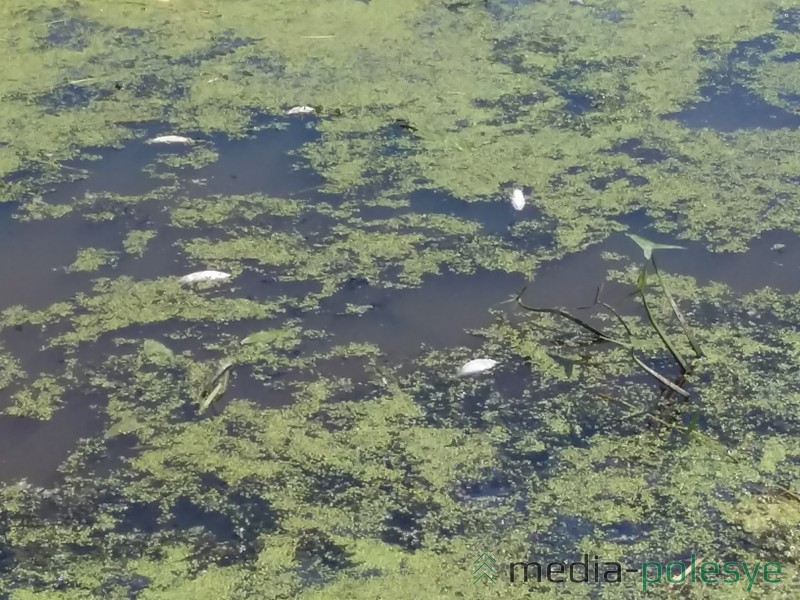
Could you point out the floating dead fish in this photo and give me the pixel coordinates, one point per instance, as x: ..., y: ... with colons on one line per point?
x: 170, y: 139
x: 201, y: 276
x: 301, y: 110
x: 517, y: 199
x: 477, y: 365
x: 216, y: 386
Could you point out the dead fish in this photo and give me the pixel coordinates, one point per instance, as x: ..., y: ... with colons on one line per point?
x: 476, y: 365
x: 216, y: 386
x: 517, y: 199
x: 201, y: 276
x: 224, y: 366
x: 170, y: 139
x: 301, y: 110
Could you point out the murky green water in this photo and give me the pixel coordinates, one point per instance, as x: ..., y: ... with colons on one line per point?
x: 373, y: 250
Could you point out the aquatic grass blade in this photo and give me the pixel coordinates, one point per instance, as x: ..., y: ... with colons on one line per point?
x: 647, y: 369
x: 642, y: 282
x: 678, y: 315
x: 693, y: 424
x: 675, y: 388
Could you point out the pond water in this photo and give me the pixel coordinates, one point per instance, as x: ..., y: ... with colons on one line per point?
x: 373, y: 250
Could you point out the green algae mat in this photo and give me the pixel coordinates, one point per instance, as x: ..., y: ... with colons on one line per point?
x: 296, y: 429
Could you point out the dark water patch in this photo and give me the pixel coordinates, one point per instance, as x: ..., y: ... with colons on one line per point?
x: 118, y: 170
x: 601, y: 183
x: 37, y: 271
x: 560, y: 535
x: 75, y: 34
x: 252, y: 515
x: 7, y: 210
x: 398, y: 137
x: 514, y: 379
x: 739, y: 65
x: 439, y: 314
x: 261, y: 284
x: 68, y: 32
x: 214, y: 535
x: 791, y: 99
x: 263, y: 163
x: 787, y: 57
x: 404, y: 527
x: 578, y: 103
x: 319, y: 558
x: 626, y: 532
x: 186, y: 515
x: 512, y: 108
x: 270, y: 388
x: 358, y: 370
x: 788, y: 20
x: 772, y: 260
x: 73, y: 95
x: 751, y: 52
x: 734, y: 109
x: 644, y: 156
x: 512, y: 52
x: 271, y: 64
x: 148, y: 86
x: 141, y: 517
x: 572, y: 281
x: 130, y: 584
x: 33, y: 450
x: 496, y: 216
x: 333, y: 488
x: 33, y: 171
x: 356, y: 377
x: 492, y: 487
x: 377, y: 213
x: 240, y: 168
x: 635, y: 220
x: 27, y: 343
x: 767, y: 423
x: 458, y: 7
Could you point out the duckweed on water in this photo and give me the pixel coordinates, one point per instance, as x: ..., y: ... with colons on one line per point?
x: 217, y: 209
x: 390, y: 481
x: 38, y: 401
x: 9, y: 369
x: 136, y: 241
x: 514, y: 120
x: 123, y: 302
x: 386, y: 490
x: 91, y: 259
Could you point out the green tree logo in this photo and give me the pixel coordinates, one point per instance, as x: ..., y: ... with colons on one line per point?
x: 483, y: 567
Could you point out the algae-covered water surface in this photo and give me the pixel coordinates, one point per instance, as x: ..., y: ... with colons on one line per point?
x: 296, y: 427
